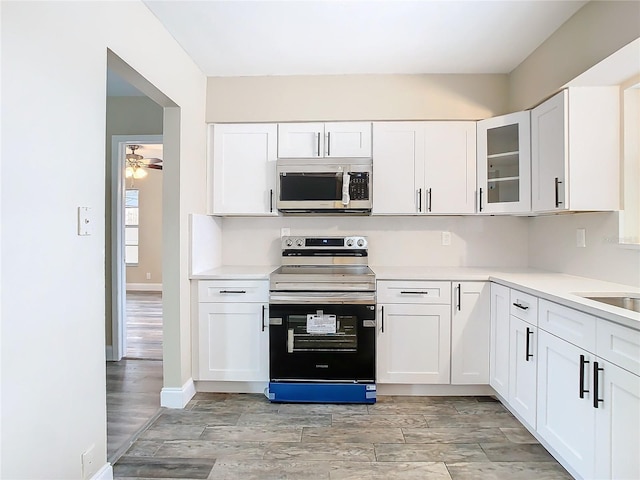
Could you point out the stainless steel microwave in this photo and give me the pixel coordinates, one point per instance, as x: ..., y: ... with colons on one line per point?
x: 308, y: 186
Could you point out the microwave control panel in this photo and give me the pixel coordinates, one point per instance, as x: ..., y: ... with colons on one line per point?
x: 359, y: 186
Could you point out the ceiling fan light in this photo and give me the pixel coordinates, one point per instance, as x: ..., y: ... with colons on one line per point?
x: 128, y: 172
x: 139, y: 173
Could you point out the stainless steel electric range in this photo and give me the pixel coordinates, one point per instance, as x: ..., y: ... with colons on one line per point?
x: 322, y: 322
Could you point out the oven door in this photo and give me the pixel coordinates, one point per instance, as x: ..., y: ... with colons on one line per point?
x: 322, y: 342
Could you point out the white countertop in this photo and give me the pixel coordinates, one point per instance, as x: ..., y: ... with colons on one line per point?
x: 555, y: 287
x: 236, y: 272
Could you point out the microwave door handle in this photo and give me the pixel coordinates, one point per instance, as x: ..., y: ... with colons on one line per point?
x: 346, y: 180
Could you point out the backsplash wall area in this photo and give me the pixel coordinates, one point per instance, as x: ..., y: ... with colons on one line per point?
x: 552, y: 246
x: 393, y: 241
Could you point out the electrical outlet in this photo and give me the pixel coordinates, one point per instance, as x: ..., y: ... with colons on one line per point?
x: 148, y: 275
x: 581, y: 237
x: 446, y: 238
x: 285, y: 232
x: 89, y: 463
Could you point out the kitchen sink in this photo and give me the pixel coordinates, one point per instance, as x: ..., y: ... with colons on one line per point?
x: 622, y: 300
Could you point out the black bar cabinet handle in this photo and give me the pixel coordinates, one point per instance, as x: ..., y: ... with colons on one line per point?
x: 459, y: 305
x: 596, y: 400
x: 233, y: 291
x: 382, y: 318
x: 328, y: 144
x: 419, y: 200
x: 527, y: 354
x: 319, y: 135
x: 557, y: 182
x: 480, y: 203
x: 520, y: 306
x: 429, y: 200
x: 271, y: 200
x: 405, y: 292
x: 582, y: 390
x: 263, y: 310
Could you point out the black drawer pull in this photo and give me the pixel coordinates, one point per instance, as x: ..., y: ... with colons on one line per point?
x: 233, y: 291
x: 583, y: 362
x: 520, y: 306
x: 403, y: 292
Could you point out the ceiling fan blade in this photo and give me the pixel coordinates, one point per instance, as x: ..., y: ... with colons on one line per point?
x: 154, y: 166
x: 152, y: 160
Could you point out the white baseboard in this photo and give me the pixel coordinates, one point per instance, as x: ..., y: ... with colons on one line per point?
x: 231, y: 387
x: 105, y: 473
x: 174, y: 397
x: 144, y: 287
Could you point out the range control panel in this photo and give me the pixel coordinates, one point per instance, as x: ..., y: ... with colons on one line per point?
x: 334, y: 243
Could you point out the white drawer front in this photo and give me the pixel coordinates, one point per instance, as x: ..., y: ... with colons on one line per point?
x: 392, y: 291
x: 524, y: 306
x: 569, y: 324
x: 233, y: 291
x: 619, y: 345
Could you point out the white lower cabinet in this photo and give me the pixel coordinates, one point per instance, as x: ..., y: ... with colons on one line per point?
x: 499, y: 355
x: 233, y: 332
x: 523, y: 359
x: 413, y: 341
x: 617, y: 423
x: 564, y: 419
x: 470, y: 326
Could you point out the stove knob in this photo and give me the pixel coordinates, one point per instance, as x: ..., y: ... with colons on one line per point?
x: 299, y: 242
x: 289, y: 242
x: 349, y: 242
x: 361, y: 242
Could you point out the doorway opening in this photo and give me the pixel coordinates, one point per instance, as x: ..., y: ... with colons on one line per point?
x: 134, y: 386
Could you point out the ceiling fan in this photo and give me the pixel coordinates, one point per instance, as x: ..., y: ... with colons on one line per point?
x: 136, y: 163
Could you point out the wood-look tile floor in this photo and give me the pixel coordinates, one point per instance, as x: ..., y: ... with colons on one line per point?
x: 244, y: 436
x: 134, y: 383
x: 144, y: 325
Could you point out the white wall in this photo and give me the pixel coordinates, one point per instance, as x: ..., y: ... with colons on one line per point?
x: 552, y: 246
x: 54, y: 57
x: 402, y: 241
x: 356, y: 97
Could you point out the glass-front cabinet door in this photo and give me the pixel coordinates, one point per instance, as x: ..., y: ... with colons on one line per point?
x: 504, y: 164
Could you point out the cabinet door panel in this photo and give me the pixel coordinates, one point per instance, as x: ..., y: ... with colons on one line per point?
x: 499, y: 358
x: 233, y: 343
x: 618, y: 424
x: 450, y: 167
x: 413, y: 344
x: 348, y: 139
x: 244, y: 158
x: 300, y: 140
x: 564, y: 420
x: 522, y: 369
x: 470, y: 326
x: 549, y: 154
x: 398, y: 149
x: 503, y: 164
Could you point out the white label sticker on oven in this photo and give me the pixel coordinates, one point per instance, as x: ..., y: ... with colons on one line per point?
x: 321, y: 323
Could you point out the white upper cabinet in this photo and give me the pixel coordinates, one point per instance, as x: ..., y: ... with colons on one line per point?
x: 424, y: 168
x: 504, y: 164
x: 575, y: 149
x: 324, y: 140
x: 242, y: 168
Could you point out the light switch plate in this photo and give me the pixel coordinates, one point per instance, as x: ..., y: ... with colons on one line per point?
x: 285, y: 232
x: 446, y: 238
x: 86, y: 221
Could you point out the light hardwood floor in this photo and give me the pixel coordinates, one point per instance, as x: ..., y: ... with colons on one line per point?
x: 134, y: 383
